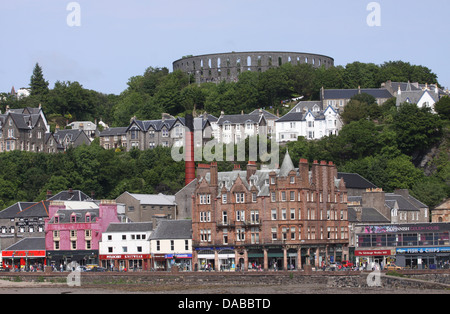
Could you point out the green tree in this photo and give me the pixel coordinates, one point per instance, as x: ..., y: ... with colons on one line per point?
x: 442, y: 107
x: 417, y: 129
x: 38, y: 85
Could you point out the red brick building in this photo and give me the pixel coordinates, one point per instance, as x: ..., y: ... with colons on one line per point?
x: 269, y: 218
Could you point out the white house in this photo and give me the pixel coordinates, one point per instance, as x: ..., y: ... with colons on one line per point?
x: 171, y: 244
x: 422, y: 96
x: 236, y: 128
x: 307, y: 119
x: 126, y: 246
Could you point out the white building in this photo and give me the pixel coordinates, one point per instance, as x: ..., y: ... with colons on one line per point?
x: 126, y: 246
x: 307, y: 119
x: 236, y: 128
x: 171, y: 244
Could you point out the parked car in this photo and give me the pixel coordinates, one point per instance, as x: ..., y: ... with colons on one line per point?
x: 335, y: 266
x: 393, y: 267
x: 347, y: 264
x: 96, y: 269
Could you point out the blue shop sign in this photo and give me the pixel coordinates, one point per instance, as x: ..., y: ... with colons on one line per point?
x: 169, y: 256
x: 416, y: 250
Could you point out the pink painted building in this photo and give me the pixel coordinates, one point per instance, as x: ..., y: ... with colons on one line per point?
x: 73, y: 235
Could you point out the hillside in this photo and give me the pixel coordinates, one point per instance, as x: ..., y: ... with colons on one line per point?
x: 404, y: 148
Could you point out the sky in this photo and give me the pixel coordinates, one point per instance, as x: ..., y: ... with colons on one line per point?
x: 114, y: 40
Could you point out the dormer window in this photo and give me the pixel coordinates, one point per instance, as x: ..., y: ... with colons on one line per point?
x: 56, y: 219
x: 73, y: 218
x: 88, y: 217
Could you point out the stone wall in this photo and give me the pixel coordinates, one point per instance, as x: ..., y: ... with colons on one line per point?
x: 228, y: 66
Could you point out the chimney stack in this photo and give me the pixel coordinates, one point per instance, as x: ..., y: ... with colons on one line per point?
x: 214, y: 174
x: 251, y: 169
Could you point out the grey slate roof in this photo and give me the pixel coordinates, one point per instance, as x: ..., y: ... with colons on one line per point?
x: 349, y: 93
x: 173, y: 229
x: 72, y: 135
x: 74, y: 195
x: 130, y: 227
x: 114, y: 131
x: 25, y: 209
x: 239, y: 118
x: 355, y: 181
x: 403, y: 203
x: 267, y: 114
x: 65, y: 214
x: 28, y: 244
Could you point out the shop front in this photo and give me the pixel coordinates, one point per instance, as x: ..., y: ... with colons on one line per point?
x: 227, y: 259
x: 374, y: 259
x: 182, y: 261
x: 60, y: 260
x: 159, y: 262
x: 126, y: 262
x: 205, y: 260
x: 28, y: 260
x: 423, y: 257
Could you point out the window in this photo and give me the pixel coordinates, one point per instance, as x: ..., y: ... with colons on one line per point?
x: 158, y: 245
x: 240, y: 197
x: 205, y: 198
x: 254, y: 234
x: 254, y: 195
x: 205, y: 235
x: 205, y: 216
x: 165, y: 132
x: 73, y: 245
x: 292, y: 196
x: 124, y: 249
x: 139, y: 249
x: 186, y: 245
x: 283, y: 196
x: 240, y: 215
x: 88, y: 244
x: 88, y: 217
x: 224, y: 198
x: 110, y: 249
x: 254, y: 217
x: 292, y: 233
x: 109, y: 237
x: 283, y: 214
x: 73, y: 218
x: 274, y: 214
x: 124, y: 236
x: 172, y: 245
x: 224, y: 217
x: 225, y: 236
x: 292, y: 213
x: 56, y: 245
x: 284, y: 233
x: 273, y: 197
x: 274, y: 233
x: 240, y: 234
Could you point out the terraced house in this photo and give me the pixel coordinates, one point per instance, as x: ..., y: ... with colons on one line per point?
x: 269, y: 218
x: 167, y: 132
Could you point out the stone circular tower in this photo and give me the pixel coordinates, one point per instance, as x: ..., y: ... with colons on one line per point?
x: 227, y: 66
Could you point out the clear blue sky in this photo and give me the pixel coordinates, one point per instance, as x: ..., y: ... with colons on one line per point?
x: 120, y: 39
